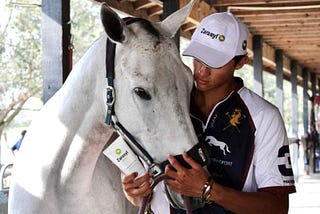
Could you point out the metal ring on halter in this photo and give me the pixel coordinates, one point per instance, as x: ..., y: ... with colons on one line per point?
x: 110, y: 96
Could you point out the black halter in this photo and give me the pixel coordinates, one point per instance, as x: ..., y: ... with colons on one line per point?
x: 110, y: 55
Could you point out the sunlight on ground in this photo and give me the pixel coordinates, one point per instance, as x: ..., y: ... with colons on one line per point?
x: 306, y: 199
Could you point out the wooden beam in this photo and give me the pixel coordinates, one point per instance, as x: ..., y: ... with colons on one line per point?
x: 200, y: 9
x: 266, y: 22
x: 142, y: 4
x: 242, y: 13
x: 277, y: 9
x: 291, y: 37
x: 263, y: 2
x: 155, y: 11
x: 285, y: 24
x: 301, y: 47
x: 129, y: 8
x: 252, y: 14
x: 188, y: 26
x: 287, y: 30
x: 281, y: 17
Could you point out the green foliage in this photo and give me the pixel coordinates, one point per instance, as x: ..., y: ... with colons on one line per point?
x: 21, y: 46
x: 20, y: 49
x: 20, y: 58
x: 85, y: 25
x: 246, y: 74
x: 269, y: 87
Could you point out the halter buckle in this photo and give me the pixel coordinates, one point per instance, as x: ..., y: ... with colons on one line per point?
x: 110, y: 96
x: 155, y: 169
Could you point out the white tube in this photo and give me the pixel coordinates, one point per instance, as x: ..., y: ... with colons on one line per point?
x: 124, y: 158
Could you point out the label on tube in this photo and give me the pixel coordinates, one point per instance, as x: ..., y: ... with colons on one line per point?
x: 124, y: 158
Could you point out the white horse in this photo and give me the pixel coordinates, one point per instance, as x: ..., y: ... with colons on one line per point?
x: 60, y: 167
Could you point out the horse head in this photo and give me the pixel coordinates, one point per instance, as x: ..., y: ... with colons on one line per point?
x: 152, y: 84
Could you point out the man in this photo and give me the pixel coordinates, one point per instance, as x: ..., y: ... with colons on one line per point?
x: 250, y: 169
x: 15, y: 148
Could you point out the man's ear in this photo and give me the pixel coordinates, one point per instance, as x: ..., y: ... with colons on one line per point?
x: 242, y: 62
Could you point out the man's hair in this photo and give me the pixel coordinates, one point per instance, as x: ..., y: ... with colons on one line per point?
x: 238, y: 58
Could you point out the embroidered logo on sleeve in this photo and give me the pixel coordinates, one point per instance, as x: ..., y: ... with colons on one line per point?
x: 234, y: 119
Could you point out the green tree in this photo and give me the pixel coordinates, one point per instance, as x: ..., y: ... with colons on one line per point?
x: 85, y: 25
x: 20, y: 58
x: 20, y: 50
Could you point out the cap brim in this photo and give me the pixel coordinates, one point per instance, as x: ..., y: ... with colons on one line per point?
x: 211, y: 57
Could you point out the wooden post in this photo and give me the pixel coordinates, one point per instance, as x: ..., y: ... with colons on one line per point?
x: 55, y: 29
x: 305, y: 100
x: 294, y: 101
x: 313, y: 84
x: 169, y: 7
x: 257, y: 65
x: 279, y: 80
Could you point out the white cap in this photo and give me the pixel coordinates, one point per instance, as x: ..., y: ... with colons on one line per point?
x: 218, y: 38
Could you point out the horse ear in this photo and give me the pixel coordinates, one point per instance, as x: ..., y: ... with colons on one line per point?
x: 173, y: 22
x: 112, y: 23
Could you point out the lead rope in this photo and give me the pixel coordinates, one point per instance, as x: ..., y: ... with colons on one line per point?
x: 145, y: 207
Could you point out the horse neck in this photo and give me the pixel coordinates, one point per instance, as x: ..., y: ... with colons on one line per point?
x: 91, y: 64
x: 83, y: 111
x: 79, y: 104
x: 84, y: 91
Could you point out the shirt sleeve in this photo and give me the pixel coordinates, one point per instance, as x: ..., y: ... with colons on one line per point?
x: 272, y: 165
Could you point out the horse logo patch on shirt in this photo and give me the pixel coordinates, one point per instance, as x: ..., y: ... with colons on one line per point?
x: 222, y: 145
x: 234, y: 119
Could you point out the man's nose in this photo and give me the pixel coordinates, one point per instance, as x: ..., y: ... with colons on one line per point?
x: 204, y: 70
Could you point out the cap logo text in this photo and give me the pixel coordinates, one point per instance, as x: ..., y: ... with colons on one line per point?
x: 213, y: 35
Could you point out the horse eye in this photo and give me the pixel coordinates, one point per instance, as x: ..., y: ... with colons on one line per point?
x: 142, y: 93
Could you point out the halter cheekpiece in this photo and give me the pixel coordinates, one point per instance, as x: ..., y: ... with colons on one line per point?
x: 111, y: 118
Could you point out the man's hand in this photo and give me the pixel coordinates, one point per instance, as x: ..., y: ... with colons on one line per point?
x: 188, y: 182
x: 135, y: 188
